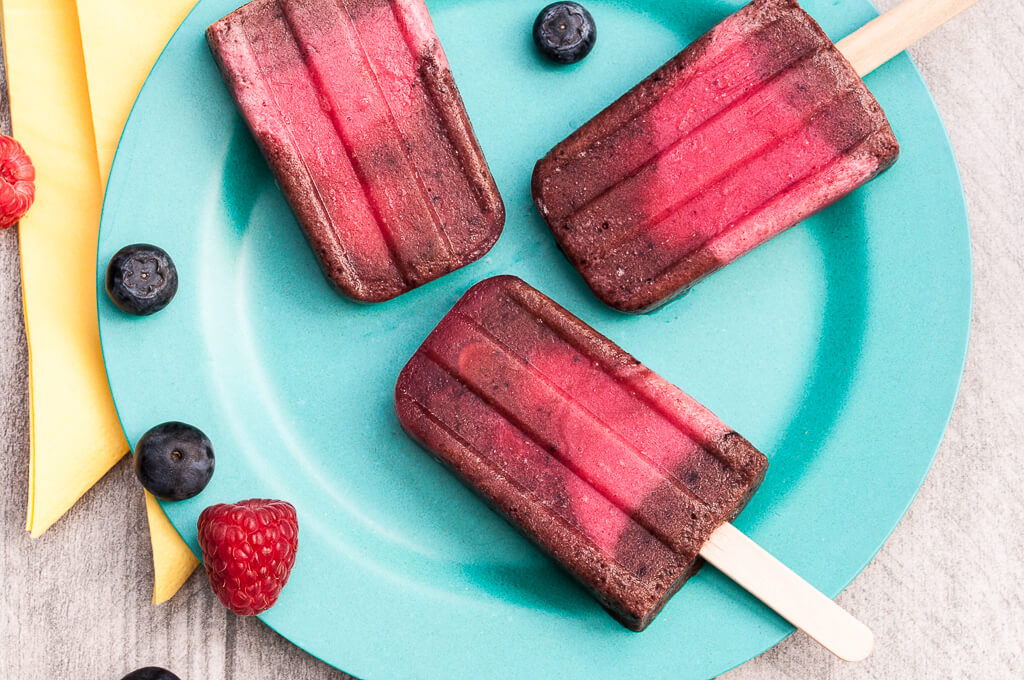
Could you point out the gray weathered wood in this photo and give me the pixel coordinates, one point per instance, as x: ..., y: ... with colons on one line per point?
x: 944, y: 596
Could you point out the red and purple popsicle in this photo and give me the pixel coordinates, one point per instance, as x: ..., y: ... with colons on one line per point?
x: 757, y: 125
x: 353, y: 104
x: 615, y: 473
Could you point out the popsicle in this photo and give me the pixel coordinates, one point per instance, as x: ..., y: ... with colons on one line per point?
x: 615, y: 473
x: 353, y: 104
x: 757, y: 125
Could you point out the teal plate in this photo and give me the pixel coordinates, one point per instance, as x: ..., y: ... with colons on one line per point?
x: 837, y: 349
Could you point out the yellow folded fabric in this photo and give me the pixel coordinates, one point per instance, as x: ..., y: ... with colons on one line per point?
x: 76, y: 436
x: 121, y: 40
x: 173, y: 562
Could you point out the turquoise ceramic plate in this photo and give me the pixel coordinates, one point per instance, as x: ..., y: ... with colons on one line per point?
x: 837, y: 349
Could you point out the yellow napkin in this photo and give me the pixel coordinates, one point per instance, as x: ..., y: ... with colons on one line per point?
x: 76, y: 436
x: 122, y: 40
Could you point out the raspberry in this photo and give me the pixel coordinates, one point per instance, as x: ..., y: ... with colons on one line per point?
x: 17, y: 182
x: 248, y: 551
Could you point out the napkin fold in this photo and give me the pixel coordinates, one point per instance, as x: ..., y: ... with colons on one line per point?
x: 76, y: 436
x: 121, y: 41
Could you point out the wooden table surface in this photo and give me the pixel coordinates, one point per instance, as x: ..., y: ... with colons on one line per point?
x: 944, y: 596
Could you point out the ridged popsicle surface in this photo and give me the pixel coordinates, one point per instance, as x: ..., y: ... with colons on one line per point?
x: 754, y: 127
x: 617, y: 474
x: 354, y: 107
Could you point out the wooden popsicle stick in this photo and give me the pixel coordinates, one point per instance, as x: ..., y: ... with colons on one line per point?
x: 732, y: 552
x: 793, y: 598
x: 882, y: 39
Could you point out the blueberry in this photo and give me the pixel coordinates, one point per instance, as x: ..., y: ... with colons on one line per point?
x: 174, y: 461
x: 151, y: 673
x: 564, y: 32
x: 141, y: 279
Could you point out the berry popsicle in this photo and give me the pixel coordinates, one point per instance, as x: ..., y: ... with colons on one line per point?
x: 615, y: 473
x: 353, y: 104
x: 754, y: 127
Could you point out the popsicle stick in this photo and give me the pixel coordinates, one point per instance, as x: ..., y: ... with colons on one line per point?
x: 793, y: 598
x: 882, y: 39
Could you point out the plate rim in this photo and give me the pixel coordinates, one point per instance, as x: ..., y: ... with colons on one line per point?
x: 962, y: 340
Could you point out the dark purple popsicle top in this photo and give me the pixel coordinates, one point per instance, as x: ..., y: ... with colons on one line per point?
x: 617, y: 474
x: 754, y: 127
x: 354, y: 107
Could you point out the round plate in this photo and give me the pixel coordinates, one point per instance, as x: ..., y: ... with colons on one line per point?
x: 837, y: 349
